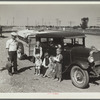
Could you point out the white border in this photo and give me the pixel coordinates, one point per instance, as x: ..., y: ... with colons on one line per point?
x: 49, y: 2
x: 73, y: 95
x: 66, y: 95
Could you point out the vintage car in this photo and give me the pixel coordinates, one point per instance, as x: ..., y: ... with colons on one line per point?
x: 81, y: 62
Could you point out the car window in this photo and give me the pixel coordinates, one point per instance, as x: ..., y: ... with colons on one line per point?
x: 50, y: 39
x: 78, y: 41
x: 43, y: 39
x: 32, y: 40
x: 67, y: 41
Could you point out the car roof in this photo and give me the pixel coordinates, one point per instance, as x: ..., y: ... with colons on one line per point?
x: 60, y: 34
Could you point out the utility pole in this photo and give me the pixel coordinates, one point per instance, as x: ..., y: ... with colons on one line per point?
x: 57, y: 21
x: 98, y: 21
x: 7, y: 22
x: 27, y: 21
x: 42, y: 21
x: 70, y: 23
x: 13, y: 21
x: 49, y: 23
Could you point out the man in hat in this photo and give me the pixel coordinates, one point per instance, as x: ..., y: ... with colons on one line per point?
x: 11, y: 46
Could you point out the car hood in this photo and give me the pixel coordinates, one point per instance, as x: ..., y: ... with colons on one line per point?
x: 80, y: 51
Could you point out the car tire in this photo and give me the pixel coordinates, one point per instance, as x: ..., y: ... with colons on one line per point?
x: 79, y: 77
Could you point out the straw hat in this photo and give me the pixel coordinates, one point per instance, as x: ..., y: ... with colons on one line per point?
x: 13, y: 33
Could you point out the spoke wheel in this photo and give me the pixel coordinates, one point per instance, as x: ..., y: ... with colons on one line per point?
x: 79, y: 77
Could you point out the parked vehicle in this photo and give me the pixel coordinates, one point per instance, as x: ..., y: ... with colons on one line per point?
x: 75, y: 54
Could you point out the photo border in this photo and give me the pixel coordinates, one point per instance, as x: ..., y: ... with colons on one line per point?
x: 55, y: 95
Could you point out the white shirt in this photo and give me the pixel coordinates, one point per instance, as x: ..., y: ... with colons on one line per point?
x: 44, y: 63
x: 11, y: 45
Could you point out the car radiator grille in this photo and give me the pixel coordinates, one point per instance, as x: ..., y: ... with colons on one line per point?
x: 96, y: 56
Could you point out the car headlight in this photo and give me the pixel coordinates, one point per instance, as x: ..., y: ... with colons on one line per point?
x: 90, y: 59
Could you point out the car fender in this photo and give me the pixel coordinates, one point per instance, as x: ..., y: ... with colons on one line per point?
x: 82, y: 64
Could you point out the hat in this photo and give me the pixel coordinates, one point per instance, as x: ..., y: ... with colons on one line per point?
x: 59, y: 46
x: 46, y: 54
x: 14, y: 33
x: 59, y: 50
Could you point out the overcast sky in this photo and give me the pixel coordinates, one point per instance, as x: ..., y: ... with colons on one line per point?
x: 48, y: 14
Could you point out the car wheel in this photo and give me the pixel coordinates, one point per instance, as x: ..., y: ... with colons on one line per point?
x: 79, y: 77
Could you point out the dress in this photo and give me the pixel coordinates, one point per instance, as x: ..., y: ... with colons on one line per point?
x: 51, y: 68
x: 38, y: 63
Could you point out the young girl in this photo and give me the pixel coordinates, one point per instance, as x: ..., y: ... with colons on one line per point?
x: 58, y: 68
x: 38, y: 64
x: 37, y: 50
x: 45, y: 63
x: 51, y: 68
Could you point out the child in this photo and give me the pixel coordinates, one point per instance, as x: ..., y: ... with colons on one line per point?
x: 51, y: 68
x: 45, y: 63
x: 58, y: 69
x: 19, y: 54
x: 38, y: 64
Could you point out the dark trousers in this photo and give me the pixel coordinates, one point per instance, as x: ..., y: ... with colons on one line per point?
x: 13, y: 58
x: 43, y: 70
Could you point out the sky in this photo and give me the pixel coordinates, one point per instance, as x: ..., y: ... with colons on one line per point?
x: 48, y: 14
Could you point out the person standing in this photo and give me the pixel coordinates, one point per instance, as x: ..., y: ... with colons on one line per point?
x: 12, y: 46
x: 37, y: 51
x: 45, y: 63
x: 58, y: 60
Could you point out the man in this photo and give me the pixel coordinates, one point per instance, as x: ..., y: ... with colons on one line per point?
x: 11, y: 46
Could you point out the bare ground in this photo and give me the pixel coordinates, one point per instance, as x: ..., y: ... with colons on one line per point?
x: 25, y: 81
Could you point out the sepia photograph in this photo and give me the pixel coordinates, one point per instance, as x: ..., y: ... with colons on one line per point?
x: 50, y: 48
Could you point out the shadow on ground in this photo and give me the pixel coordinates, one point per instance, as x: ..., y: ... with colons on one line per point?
x: 24, y: 69
x: 94, y: 81
x: 3, y: 36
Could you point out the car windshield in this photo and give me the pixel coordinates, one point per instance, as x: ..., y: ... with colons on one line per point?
x: 73, y: 41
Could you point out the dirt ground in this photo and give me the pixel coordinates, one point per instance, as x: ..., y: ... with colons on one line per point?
x: 25, y: 81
